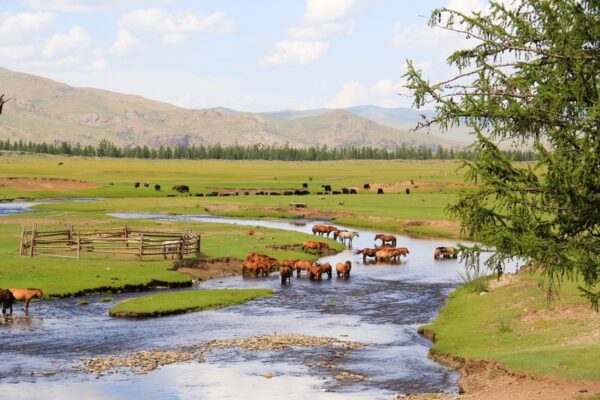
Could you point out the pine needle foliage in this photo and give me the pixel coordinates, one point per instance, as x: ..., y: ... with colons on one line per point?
x: 529, y: 78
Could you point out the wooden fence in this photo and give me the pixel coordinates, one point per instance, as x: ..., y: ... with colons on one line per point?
x: 72, y: 243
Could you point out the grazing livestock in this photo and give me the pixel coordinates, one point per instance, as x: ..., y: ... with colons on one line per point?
x: 7, y: 299
x: 407, y: 191
x: 252, y: 267
x: 345, y: 190
x: 266, y: 263
x: 326, y: 188
x: 353, y: 191
x: 27, y: 295
x: 390, y: 239
x: 319, y: 246
x: 60, y: 163
x: 366, y: 186
x: 315, y: 272
x: 136, y: 185
x: 324, y: 230
x: 250, y: 232
x: 181, y: 188
x: 366, y: 252
x: 388, y: 254
x: 445, y: 252
x: 380, y: 191
x: 286, y: 274
x: 347, y: 236
x: 157, y: 187
x: 146, y: 184
x: 302, y: 265
x: 343, y: 269
x: 305, y: 185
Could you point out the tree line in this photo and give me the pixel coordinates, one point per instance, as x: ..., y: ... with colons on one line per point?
x: 255, y: 152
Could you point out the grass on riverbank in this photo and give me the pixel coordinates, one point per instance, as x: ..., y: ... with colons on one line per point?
x: 179, y: 302
x: 95, y: 273
x: 515, y: 325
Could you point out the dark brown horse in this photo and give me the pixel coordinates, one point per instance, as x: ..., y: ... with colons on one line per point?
x: 445, y: 252
x: 366, y: 252
x: 7, y: 299
x: 323, y: 230
x: 315, y: 272
x: 343, y: 269
x: 386, y: 239
x: 285, y: 272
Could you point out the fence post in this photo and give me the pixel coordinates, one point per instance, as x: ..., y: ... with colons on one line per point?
x: 78, y: 245
x: 180, y: 248
x: 198, y: 245
x: 126, y: 237
x: 141, y: 248
x: 70, y: 234
x: 22, y: 241
x: 32, y: 250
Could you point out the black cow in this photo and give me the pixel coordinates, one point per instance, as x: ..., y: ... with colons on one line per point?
x: 366, y: 186
x: 136, y: 185
x: 407, y: 191
x: 326, y: 188
x: 305, y: 185
x: 345, y: 190
x: 380, y: 191
x: 157, y: 187
x: 181, y: 188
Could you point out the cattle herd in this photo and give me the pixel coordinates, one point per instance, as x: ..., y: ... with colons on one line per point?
x: 261, y: 265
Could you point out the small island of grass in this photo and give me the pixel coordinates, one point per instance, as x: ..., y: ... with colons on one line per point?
x: 179, y: 302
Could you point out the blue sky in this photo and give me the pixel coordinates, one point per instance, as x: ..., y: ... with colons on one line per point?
x: 248, y: 55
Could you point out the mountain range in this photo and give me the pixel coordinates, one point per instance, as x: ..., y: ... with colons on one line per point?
x: 45, y: 110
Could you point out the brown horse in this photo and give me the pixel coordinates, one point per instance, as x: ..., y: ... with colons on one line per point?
x: 343, y: 269
x: 319, y: 246
x: 7, y: 299
x: 285, y: 272
x: 302, y: 266
x: 267, y: 264
x: 445, y: 252
x: 323, y: 230
x: 27, y: 295
x: 400, y: 251
x: 252, y: 267
x: 391, y: 239
x: 315, y: 272
x: 366, y: 252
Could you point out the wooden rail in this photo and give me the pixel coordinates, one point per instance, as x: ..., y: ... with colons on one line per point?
x: 124, y: 241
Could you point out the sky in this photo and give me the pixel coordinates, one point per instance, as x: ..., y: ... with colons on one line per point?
x: 260, y: 55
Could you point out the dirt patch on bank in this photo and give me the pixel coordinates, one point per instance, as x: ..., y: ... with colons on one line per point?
x: 209, y: 267
x: 37, y: 184
x: 400, y: 187
x: 488, y: 380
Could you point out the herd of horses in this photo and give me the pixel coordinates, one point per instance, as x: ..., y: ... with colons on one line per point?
x: 9, y: 296
x: 263, y: 265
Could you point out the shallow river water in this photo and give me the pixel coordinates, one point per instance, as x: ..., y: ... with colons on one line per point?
x: 380, y: 305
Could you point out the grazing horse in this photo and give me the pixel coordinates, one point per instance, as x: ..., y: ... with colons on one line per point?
x: 316, y: 271
x: 7, y: 299
x: 265, y: 263
x: 345, y: 235
x: 27, y: 295
x: 400, y: 251
x: 252, y: 267
x: 323, y: 230
x: 319, y: 246
x: 343, y: 269
x: 302, y: 266
x: 366, y: 252
x: 445, y: 252
x: 286, y: 274
x: 391, y: 239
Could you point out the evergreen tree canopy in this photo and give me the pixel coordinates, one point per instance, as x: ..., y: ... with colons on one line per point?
x: 530, y: 77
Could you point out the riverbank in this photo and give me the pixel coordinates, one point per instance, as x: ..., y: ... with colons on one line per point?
x: 510, y: 342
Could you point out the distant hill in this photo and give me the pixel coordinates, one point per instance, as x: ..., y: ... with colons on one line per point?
x: 45, y: 110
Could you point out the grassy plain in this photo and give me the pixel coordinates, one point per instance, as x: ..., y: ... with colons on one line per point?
x: 422, y: 212
x: 516, y: 325
x: 106, y: 273
x: 179, y: 302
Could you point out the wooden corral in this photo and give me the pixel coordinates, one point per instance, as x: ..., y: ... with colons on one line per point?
x: 72, y: 243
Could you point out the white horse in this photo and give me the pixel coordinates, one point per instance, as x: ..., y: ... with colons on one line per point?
x: 345, y: 235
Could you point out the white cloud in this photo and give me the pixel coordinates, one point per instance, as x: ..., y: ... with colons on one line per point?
x: 17, y: 52
x: 19, y: 27
x: 467, y: 6
x: 175, y: 28
x: 328, y: 10
x: 60, y: 44
x: 320, y: 31
x: 125, y: 41
x: 383, y: 93
x: 81, y: 6
x: 295, y: 52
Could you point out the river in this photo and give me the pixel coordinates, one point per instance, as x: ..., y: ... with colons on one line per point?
x: 380, y: 305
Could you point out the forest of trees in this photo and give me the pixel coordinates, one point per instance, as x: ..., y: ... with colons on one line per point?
x: 256, y: 152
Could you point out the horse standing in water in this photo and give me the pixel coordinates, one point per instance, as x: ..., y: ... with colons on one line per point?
x: 391, y: 239
x: 27, y: 295
x: 345, y: 235
x: 7, y: 299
